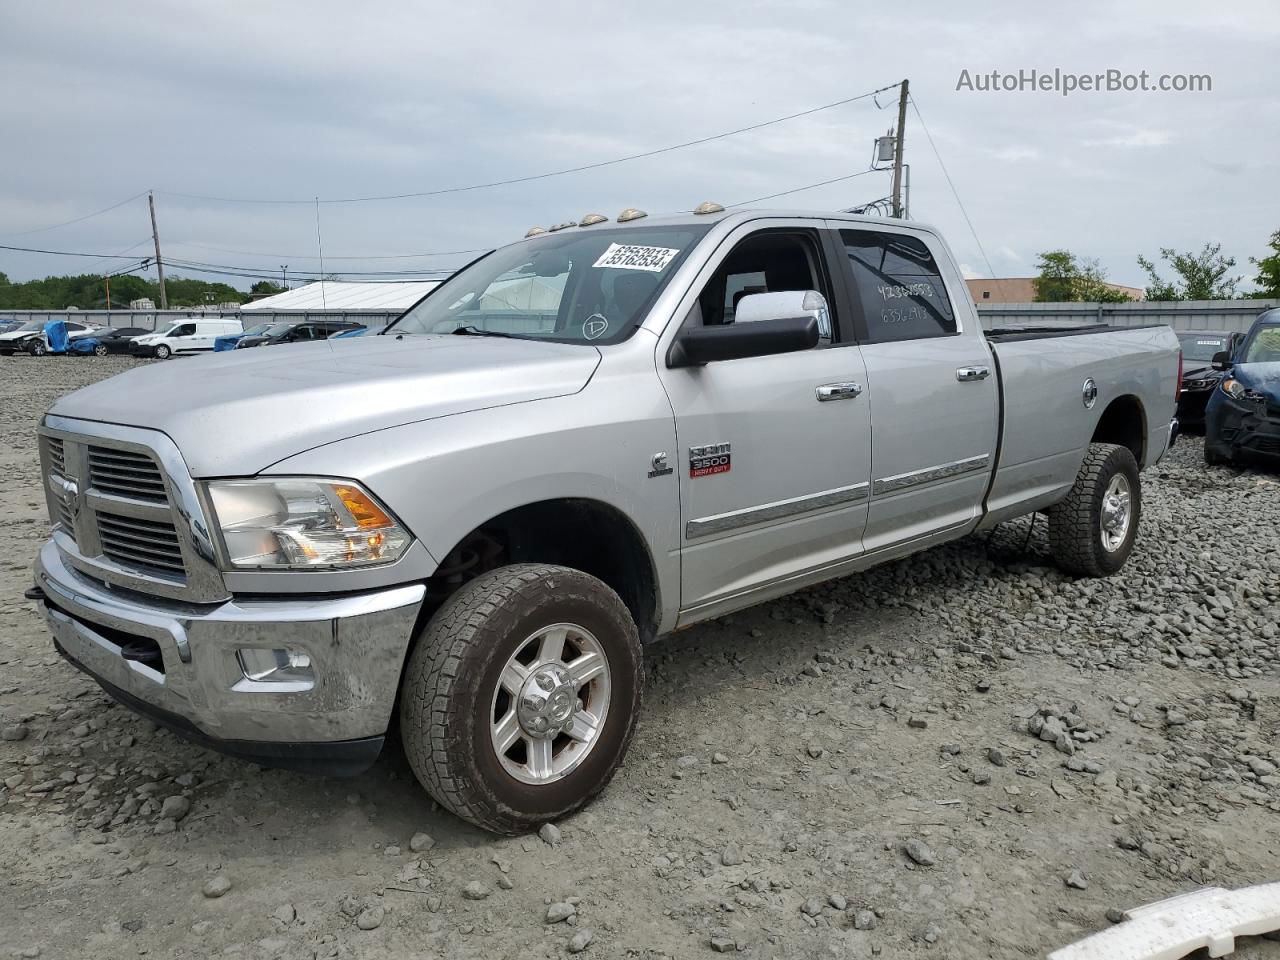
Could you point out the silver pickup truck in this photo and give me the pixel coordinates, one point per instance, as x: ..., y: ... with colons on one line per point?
x: 594, y: 436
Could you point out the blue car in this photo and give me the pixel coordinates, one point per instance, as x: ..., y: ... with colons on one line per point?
x: 1242, y: 420
x: 229, y: 341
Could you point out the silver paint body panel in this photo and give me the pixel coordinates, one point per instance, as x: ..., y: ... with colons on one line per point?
x: 452, y: 431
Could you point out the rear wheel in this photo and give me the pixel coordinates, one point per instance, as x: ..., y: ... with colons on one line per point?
x: 1093, y: 530
x: 99, y: 349
x: 520, y: 698
x: 162, y: 352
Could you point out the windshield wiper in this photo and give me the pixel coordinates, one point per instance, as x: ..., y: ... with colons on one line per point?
x: 467, y: 330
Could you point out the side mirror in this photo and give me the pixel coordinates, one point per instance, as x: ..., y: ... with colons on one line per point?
x: 1221, y: 361
x: 763, y: 324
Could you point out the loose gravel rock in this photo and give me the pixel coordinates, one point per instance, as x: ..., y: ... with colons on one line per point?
x: 1160, y: 688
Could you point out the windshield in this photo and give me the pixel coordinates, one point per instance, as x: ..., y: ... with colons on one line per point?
x: 1201, y: 346
x: 274, y: 329
x: 257, y: 330
x: 576, y: 286
x: 1263, y: 346
x: 33, y: 325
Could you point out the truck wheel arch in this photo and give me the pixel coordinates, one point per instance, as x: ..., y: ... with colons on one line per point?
x: 585, y: 534
x: 1124, y: 423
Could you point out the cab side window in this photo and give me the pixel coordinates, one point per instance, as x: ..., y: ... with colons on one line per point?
x: 898, y: 286
x: 768, y: 262
x: 186, y: 330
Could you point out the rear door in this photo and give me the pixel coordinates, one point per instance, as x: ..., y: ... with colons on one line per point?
x: 774, y: 452
x: 933, y: 394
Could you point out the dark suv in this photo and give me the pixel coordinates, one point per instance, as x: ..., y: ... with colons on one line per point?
x: 1243, y: 416
x: 298, y: 332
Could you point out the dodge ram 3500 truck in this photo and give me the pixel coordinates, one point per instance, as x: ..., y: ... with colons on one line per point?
x: 583, y: 440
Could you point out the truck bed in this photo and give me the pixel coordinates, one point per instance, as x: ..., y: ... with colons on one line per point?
x: 1045, y: 424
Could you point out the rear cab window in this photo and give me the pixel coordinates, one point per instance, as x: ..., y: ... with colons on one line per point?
x: 897, y: 286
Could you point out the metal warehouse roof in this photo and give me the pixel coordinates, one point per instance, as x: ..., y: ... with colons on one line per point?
x: 347, y: 295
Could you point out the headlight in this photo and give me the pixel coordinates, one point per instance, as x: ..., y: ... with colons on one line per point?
x: 301, y: 524
x: 1233, y: 388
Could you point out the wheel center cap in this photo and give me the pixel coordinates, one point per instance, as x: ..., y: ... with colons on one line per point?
x: 547, y: 702
x: 1115, y: 513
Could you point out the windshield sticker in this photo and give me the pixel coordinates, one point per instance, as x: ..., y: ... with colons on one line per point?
x: 627, y: 256
x: 595, y: 326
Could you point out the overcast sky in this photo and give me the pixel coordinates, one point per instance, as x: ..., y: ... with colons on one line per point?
x: 289, y: 101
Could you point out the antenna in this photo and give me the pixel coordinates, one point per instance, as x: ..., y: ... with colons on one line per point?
x: 320, y: 246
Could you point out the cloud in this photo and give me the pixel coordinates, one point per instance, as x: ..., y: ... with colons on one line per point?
x: 1136, y: 137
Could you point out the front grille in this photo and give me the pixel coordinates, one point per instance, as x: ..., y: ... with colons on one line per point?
x: 150, y: 545
x: 57, y: 456
x: 124, y: 473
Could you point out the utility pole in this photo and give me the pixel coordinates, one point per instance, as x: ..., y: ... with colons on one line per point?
x: 155, y: 236
x: 107, y: 278
x: 284, y: 275
x: 897, y: 153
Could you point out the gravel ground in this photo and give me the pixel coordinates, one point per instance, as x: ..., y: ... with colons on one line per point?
x: 965, y: 754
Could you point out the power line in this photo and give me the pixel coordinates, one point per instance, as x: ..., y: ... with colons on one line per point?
x: 87, y: 216
x: 811, y: 186
x: 954, y: 192
x: 553, y: 173
x: 330, y: 256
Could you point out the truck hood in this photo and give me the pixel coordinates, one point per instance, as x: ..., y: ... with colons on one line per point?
x: 236, y: 413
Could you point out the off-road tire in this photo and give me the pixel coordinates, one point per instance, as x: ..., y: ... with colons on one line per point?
x: 162, y: 352
x: 1213, y: 458
x: 447, y: 691
x: 1075, y: 537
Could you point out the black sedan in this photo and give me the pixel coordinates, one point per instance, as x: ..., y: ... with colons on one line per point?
x: 297, y: 333
x: 1243, y: 416
x: 117, y: 340
x: 1199, y: 378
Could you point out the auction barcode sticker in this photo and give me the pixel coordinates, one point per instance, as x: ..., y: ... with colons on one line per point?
x: 626, y: 256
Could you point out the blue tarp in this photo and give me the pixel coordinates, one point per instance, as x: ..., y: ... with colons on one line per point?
x: 358, y: 331
x: 55, y: 335
x: 84, y: 345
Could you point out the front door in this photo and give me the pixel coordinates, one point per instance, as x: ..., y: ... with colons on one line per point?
x: 934, y: 395
x: 774, y: 451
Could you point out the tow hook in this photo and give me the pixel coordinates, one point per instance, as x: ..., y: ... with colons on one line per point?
x: 35, y: 593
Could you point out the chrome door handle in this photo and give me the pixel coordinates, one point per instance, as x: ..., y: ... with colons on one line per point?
x: 967, y: 374
x: 838, y: 391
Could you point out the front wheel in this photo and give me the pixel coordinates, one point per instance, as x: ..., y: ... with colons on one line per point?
x: 1092, y: 531
x: 37, y: 348
x: 99, y: 349
x: 520, y: 698
x: 162, y: 352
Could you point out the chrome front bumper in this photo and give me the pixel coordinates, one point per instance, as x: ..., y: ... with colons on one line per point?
x: 356, y: 644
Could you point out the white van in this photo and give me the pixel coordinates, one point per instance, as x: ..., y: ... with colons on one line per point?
x: 184, y: 336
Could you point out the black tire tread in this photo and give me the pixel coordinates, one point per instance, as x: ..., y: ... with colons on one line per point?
x: 432, y: 719
x: 1073, y: 538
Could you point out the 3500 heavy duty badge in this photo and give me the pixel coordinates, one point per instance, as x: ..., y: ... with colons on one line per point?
x: 708, y: 459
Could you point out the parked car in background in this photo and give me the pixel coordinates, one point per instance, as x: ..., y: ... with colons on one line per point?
x: 114, y: 340
x: 30, y: 338
x: 298, y: 332
x: 184, y: 336
x: 1199, y: 378
x: 228, y: 341
x: 8, y: 326
x: 477, y: 518
x: 1243, y: 416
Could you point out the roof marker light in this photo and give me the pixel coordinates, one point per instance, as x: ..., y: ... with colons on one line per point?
x: 708, y: 206
x: 631, y: 213
x: 534, y: 231
x: 562, y: 226
x: 591, y: 219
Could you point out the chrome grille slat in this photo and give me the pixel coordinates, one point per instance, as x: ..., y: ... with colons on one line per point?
x: 126, y: 474
x: 144, y: 543
x: 57, y: 456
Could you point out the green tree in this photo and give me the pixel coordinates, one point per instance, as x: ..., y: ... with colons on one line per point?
x: 1268, y: 278
x: 1197, y: 276
x: 265, y: 288
x: 1092, y: 286
x: 1056, y: 280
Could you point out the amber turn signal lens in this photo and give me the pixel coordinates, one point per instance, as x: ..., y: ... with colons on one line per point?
x: 364, y: 510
